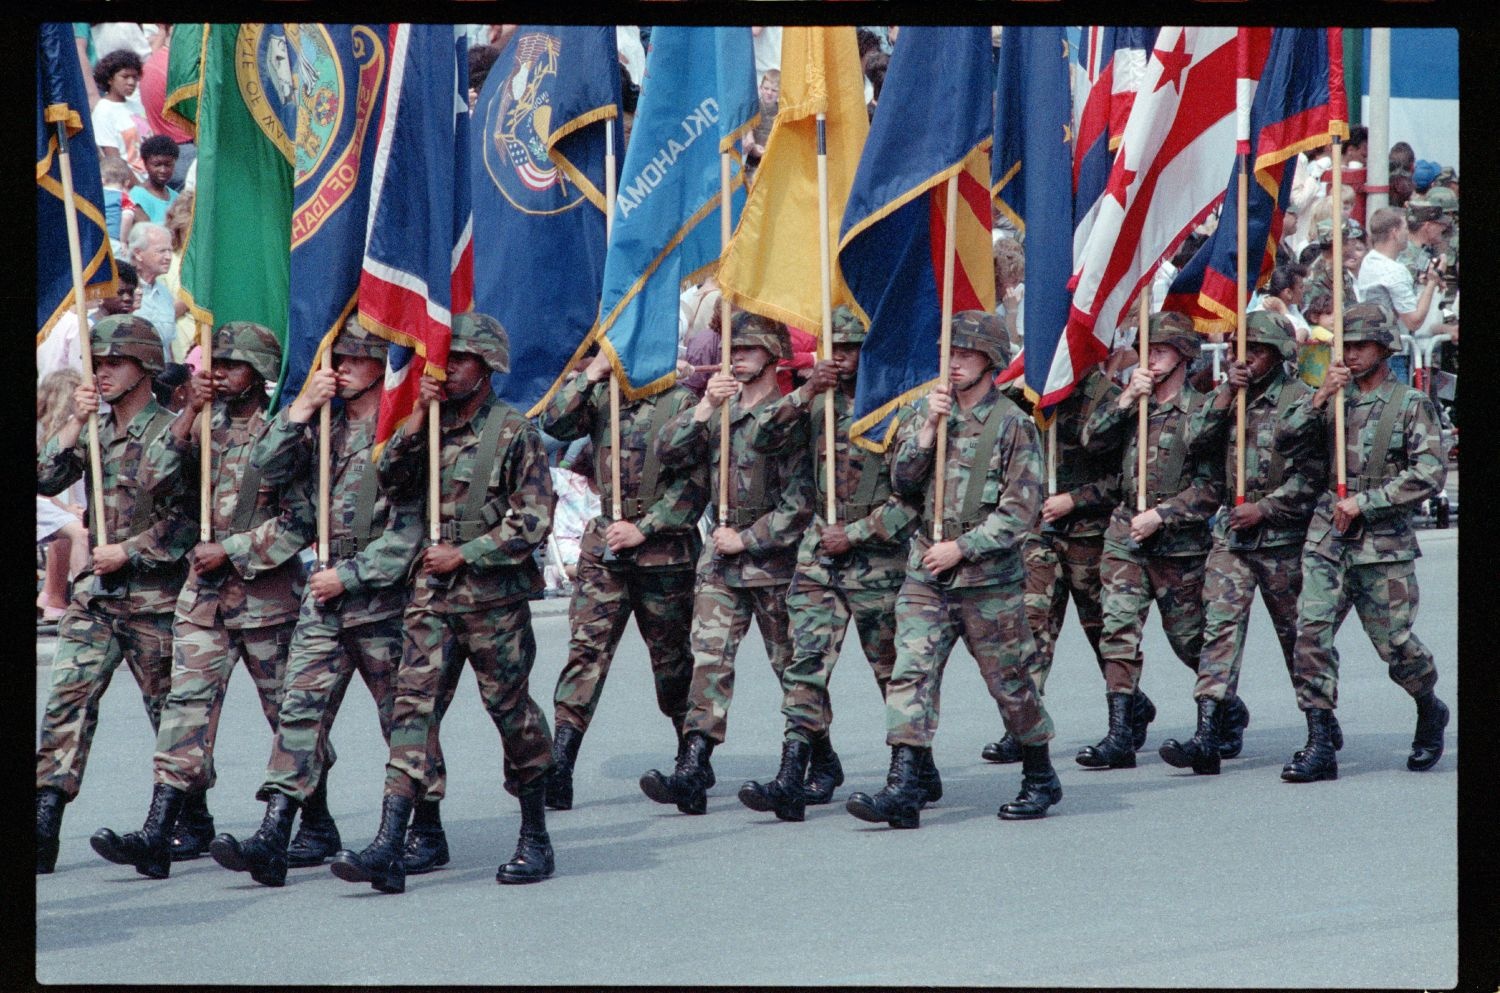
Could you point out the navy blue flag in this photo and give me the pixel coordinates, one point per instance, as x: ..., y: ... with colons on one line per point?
x: 62, y: 99
x: 537, y: 161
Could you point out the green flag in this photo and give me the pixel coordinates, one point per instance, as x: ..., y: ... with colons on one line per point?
x: 236, y: 261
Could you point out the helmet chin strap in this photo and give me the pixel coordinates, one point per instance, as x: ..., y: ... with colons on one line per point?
x: 365, y: 389
x: 128, y: 389
x: 756, y: 375
x: 463, y: 398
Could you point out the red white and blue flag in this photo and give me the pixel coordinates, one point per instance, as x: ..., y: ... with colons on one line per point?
x: 1109, y: 64
x: 419, y: 254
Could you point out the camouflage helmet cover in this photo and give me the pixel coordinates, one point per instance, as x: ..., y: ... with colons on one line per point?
x: 255, y: 344
x: 847, y: 330
x: 128, y: 336
x: 481, y: 335
x: 1266, y: 328
x: 755, y: 330
x: 981, y: 331
x: 1174, y: 330
x: 1443, y: 198
x: 1370, y: 322
x: 355, y: 339
x: 1324, y: 230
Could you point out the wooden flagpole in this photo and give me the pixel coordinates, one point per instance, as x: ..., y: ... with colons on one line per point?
x: 615, y: 503
x: 1241, y: 286
x: 724, y: 235
x: 1341, y: 468
x: 826, y: 270
x: 325, y: 435
x: 434, y: 488
x: 1143, y: 410
x: 945, y: 348
x: 206, y: 441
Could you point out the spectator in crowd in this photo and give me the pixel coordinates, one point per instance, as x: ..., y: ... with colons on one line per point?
x: 1383, y: 280
x: 1010, y: 275
x: 153, y: 94
x: 1284, y: 296
x: 1402, y: 159
x: 1287, y: 245
x: 767, y: 42
x: 118, y: 131
x: 482, y: 59
x: 1316, y: 350
x: 139, y: 39
x: 1401, y: 189
x: 151, y: 252
x: 179, y: 219
x: 770, y: 100
x: 702, y: 354
x: 152, y: 197
x: 119, y: 209
x: 171, y: 386
x: 60, y: 350
x: 1357, y: 148
x: 1423, y: 173
x: 875, y: 69
x: 59, y: 519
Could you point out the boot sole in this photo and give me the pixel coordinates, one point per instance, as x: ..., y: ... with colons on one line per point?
x: 227, y: 855
x: 1173, y: 755
x: 655, y: 786
x: 1302, y: 778
x: 867, y: 813
x: 350, y: 872
x: 1423, y: 766
x: 508, y: 880
x: 1094, y: 761
x: 108, y: 849
x: 751, y: 796
x: 999, y: 758
x: 270, y: 876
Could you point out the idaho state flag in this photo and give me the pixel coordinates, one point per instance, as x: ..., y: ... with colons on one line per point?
x: 933, y: 122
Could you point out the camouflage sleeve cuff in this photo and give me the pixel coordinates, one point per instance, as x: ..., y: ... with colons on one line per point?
x: 477, y: 550
x: 859, y: 531
x: 648, y: 524
x: 237, y: 548
x: 752, y: 545
x: 349, y: 576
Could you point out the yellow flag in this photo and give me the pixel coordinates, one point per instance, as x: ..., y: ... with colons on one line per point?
x: 771, y: 266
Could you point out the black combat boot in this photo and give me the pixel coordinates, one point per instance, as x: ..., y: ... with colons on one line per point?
x: 1040, y: 787
x: 426, y: 844
x: 317, y: 836
x: 564, y: 753
x: 382, y: 864
x: 1116, y: 750
x: 1142, y: 714
x: 148, y: 849
x: 264, y: 853
x: 532, y: 861
x: 929, y: 783
x: 899, y: 803
x: 1234, y: 717
x: 1317, y: 759
x: 782, y: 795
x: 1004, y: 751
x: 194, y: 830
x: 1203, y: 750
x: 825, y: 773
x: 677, y: 723
x: 1427, y: 743
x: 687, y: 786
x: 49, y: 814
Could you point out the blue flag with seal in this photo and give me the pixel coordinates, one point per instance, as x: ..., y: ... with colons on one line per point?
x: 340, y: 71
x: 537, y: 154
x: 933, y: 122
x: 698, y: 97
x: 62, y: 100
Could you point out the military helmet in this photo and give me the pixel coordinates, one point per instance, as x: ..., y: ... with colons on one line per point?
x: 1324, y: 229
x: 1371, y: 322
x: 981, y: 331
x: 481, y: 335
x: 246, y: 341
x: 355, y: 339
x: 847, y: 330
x: 131, y: 337
x: 1267, y: 328
x: 755, y: 330
x: 1174, y: 330
x: 1443, y: 198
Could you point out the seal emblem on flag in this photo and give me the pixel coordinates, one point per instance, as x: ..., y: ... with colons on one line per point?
x: 518, y: 122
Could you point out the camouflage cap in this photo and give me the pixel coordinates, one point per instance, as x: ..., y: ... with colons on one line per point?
x: 1324, y: 229
x: 847, y: 330
x: 1446, y: 175
x: 1444, y: 198
x: 756, y: 330
x: 481, y: 335
x: 1168, y: 327
x: 355, y: 339
x: 128, y: 336
x: 1264, y: 327
x: 1371, y: 322
x: 1421, y: 211
x: 981, y: 331
x: 246, y: 341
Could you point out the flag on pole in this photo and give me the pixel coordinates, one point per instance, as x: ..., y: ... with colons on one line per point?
x: 537, y: 161
x: 340, y: 70
x: 1033, y: 186
x: 698, y: 97
x: 1161, y: 183
x: 1111, y: 62
x: 933, y: 122
x: 61, y: 98
x: 1298, y: 104
x: 419, y: 258
x: 771, y: 266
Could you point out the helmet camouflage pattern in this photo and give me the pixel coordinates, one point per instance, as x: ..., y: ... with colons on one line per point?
x: 981, y: 331
x: 246, y: 341
x: 1370, y: 322
x: 355, y: 339
x: 847, y: 330
x: 1266, y: 328
x: 747, y: 330
x: 1174, y: 330
x: 131, y: 337
x: 481, y: 335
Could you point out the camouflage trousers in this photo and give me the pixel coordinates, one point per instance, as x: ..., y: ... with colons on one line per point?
x: 91, y: 643
x: 324, y: 656
x: 1385, y: 596
x: 819, y: 616
x: 500, y: 646
x: 603, y: 600
x: 1058, y: 567
x: 202, y: 660
x: 992, y: 622
x: 1230, y: 580
x: 1131, y: 583
x: 721, y: 616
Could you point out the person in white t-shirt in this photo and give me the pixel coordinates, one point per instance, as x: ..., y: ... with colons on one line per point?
x: 1384, y: 280
x: 118, y: 131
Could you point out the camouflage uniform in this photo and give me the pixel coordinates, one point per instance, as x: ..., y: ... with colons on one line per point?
x: 1320, y: 272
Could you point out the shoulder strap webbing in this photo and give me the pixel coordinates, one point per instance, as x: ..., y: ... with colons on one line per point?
x: 484, y: 463
x: 145, y: 506
x: 651, y: 472
x: 1374, y: 468
x: 1171, y: 475
x: 1277, y: 465
x: 364, y: 504
x: 979, y: 470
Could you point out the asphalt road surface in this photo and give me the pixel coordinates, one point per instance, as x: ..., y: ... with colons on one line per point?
x: 1143, y: 877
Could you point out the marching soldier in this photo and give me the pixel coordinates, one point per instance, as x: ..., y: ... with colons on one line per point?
x: 126, y: 611
x: 350, y: 616
x: 1258, y: 543
x: 641, y: 563
x: 1361, y: 550
x: 970, y: 584
x: 239, y: 601
x: 471, y: 596
x: 744, y: 572
x: 1157, y: 554
x: 845, y: 571
x: 1063, y: 555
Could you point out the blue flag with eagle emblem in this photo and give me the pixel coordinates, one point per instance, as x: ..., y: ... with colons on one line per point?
x: 537, y: 155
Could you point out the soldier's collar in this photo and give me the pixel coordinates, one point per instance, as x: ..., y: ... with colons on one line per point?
x: 143, y: 417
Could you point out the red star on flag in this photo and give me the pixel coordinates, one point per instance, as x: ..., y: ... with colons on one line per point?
x: 1120, y: 178
x: 1173, y: 63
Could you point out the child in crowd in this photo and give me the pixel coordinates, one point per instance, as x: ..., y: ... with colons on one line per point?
x: 153, y: 197
x: 117, y: 130
x: 119, y: 209
x: 1314, y: 354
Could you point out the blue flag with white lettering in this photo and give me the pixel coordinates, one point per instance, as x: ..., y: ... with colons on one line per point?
x: 698, y: 97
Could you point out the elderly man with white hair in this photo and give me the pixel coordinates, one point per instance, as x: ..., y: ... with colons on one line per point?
x: 150, y: 249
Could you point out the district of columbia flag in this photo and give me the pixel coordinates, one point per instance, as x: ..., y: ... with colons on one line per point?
x: 1110, y: 63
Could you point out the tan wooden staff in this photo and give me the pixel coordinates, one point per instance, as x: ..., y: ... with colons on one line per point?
x: 1342, y: 480
x: 80, y: 310
x: 1241, y: 286
x: 434, y: 489
x: 1143, y: 410
x: 945, y: 348
x: 724, y: 236
x: 614, y: 381
x: 1052, y: 458
x: 206, y: 441
x: 325, y: 431
x: 826, y: 269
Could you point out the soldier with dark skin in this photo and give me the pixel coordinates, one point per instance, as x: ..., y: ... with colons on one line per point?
x: 969, y: 583
x: 1360, y: 550
x: 744, y: 571
x: 846, y: 571
x: 240, y: 599
x: 470, y: 599
x: 350, y: 617
x: 642, y: 563
x: 122, y: 604
x: 1257, y: 544
x: 1155, y: 555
